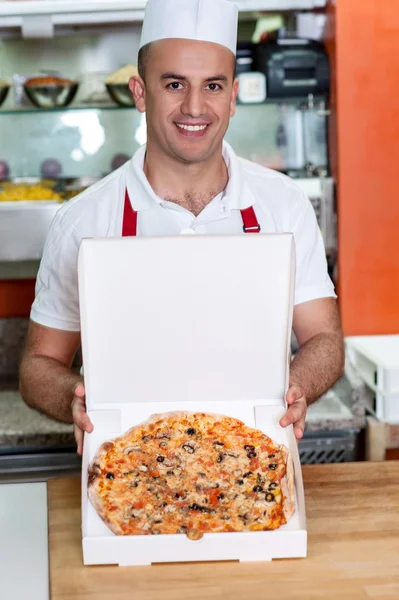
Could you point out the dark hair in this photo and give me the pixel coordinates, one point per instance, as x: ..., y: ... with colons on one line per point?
x: 142, y: 60
x: 143, y: 57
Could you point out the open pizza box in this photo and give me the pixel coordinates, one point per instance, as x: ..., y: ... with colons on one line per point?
x: 198, y: 323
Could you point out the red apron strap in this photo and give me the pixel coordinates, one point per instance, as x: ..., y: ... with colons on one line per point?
x: 250, y: 221
x: 129, y: 224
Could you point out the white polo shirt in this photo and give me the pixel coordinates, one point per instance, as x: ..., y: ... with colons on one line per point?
x: 279, y: 204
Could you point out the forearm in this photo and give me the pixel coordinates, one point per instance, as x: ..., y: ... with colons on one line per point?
x: 47, y: 385
x: 318, y: 364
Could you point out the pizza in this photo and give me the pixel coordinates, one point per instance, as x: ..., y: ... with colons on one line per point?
x: 192, y: 473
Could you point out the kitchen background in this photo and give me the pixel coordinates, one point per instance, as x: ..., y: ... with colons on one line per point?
x: 292, y: 116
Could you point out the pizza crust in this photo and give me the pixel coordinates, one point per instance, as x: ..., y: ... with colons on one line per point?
x: 288, y: 485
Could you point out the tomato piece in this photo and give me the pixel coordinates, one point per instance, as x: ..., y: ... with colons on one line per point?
x: 213, y: 496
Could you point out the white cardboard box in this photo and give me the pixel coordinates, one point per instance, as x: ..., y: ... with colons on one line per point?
x: 376, y: 360
x: 195, y: 323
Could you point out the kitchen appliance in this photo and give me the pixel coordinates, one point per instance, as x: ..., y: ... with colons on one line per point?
x: 293, y: 67
x: 244, y: 57
x: 321, y: 193
x: 252, y: 88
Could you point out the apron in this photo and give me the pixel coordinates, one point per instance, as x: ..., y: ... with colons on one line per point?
x: 129, y: 224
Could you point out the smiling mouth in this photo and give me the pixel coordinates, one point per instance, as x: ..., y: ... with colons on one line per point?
x: 192, y: 130
x: 192, y: 127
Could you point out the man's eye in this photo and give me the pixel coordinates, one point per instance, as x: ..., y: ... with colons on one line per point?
x: 213, y: 87
x: 174, y: 85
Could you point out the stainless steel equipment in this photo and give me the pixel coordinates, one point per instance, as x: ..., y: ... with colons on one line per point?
x: 293, y: 67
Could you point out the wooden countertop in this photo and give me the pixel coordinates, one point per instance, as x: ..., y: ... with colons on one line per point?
x: 353, y: 549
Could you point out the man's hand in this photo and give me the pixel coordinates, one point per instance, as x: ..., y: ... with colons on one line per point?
x: 296, y: 413
x: 81, y: 420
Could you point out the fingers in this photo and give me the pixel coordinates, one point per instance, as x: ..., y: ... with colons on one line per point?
x: 79, y: 390
x: 299, y: 430
x: 294, y: 393
x: 295, y: 416
x: 296, y: 413
x: 80, y: 417
x: 81, y: 420
x: 79, y: 439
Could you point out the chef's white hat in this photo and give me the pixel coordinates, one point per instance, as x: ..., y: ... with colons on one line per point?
x: 204, y: 20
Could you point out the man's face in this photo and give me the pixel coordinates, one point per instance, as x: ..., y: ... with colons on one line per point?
x: 189, y: 96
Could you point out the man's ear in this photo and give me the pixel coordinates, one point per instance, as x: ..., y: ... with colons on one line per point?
x: 137, y: 87
x: 234, y: 93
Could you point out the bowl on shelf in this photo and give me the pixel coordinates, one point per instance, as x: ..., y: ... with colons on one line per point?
x: 50, y: 92
x: 120, y: 93
x: 4, y: 89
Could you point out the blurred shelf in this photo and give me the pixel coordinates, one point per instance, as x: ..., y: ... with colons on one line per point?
x: 297, y: 101
x: 71, y: 107
x: 40, y: 18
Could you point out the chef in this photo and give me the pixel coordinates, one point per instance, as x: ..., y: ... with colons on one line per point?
x: 186, y: 179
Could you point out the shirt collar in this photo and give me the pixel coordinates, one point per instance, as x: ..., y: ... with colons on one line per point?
x: 237, y: 195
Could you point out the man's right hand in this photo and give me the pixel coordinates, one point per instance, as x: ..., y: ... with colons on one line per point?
x: 81, y: 421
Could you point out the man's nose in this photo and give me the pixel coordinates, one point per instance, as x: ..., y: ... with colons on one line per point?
x: 194, y: 103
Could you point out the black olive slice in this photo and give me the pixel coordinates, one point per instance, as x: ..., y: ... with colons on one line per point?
x: 188, y: 448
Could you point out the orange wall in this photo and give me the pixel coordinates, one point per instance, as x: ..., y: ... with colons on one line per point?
x: 367, y: 66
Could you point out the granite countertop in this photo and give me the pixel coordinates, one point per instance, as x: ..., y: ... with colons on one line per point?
x: 342, y: 408
x: 21, y: 426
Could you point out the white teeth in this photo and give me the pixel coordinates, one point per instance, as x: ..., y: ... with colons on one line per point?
x: 192, y: 127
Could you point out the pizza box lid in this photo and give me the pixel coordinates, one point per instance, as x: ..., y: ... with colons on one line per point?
x: 186, y: 319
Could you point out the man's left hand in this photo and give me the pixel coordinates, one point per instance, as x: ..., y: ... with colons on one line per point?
x: 296, y: 413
